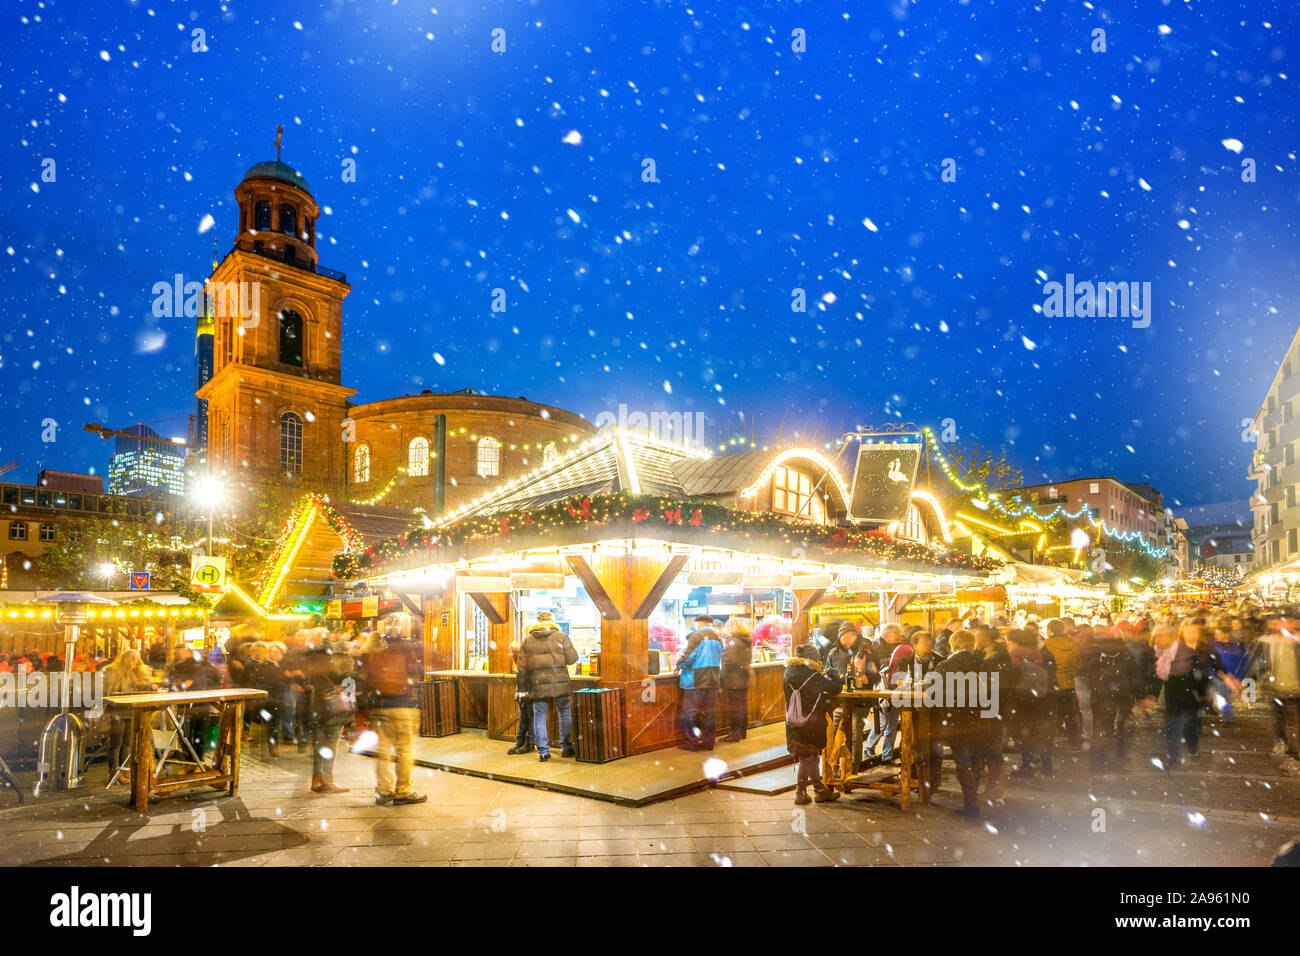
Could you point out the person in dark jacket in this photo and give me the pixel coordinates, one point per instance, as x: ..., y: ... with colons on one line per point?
x: 991, y: 731
x: 805, y: 676
x: 524, y: 729
x: 1113, y: 683
x: 329, y: 680
x: 1187, y: 691
x: 737, y: 653
x: 975, y: 738
x: 1029, y: 699
x: 700, y: 677
x: 192, y: 671
x: 544, y: 658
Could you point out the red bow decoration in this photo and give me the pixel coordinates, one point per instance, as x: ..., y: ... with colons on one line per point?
x: 697, y: 518
x: 504, y: 527
x: 674, y: 516
x: 640, y: 514
x: 583, y: 511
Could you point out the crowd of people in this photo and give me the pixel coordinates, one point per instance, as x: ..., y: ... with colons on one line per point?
x: 318, y: 683
x: 1070, y: 684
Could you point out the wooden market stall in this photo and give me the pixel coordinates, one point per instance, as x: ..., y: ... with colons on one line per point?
x: 624, y: 540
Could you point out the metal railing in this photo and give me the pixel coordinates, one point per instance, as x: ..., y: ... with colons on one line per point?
x: 303, y: 265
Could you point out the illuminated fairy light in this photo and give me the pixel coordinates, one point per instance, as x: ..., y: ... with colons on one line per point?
x: 287, y: 559
x: 811, y: 454
x: 933, y: 502
x: 992, y: 498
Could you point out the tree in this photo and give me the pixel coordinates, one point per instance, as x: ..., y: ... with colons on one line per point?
x: 986, y: 466
x: 157, y: 541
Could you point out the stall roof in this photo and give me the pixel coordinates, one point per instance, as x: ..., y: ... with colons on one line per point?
x: 319, y: 529
x: 616, y: 460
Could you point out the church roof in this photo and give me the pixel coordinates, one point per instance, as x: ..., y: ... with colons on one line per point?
x: 274, y: 169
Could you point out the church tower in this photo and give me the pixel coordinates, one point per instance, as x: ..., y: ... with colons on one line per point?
x: 275, y: 405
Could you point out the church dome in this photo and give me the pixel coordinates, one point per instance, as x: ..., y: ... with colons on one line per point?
x: 274, y: 169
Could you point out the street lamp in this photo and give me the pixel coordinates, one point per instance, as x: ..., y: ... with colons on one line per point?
x: 107, y: 569
x: 210, y: 492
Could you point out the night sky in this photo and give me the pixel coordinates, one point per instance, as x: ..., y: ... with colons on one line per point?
x: 778, y: 170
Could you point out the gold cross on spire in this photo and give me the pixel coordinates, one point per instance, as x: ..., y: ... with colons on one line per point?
x: 279, y: 132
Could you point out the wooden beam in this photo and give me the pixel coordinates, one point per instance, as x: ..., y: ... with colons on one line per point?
x: 595, y: 590
x: 803, y: 600
x: 656, y: 592
x: 485, y: 605
x: 412, y: 606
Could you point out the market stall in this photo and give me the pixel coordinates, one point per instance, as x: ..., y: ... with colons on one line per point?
x: 621, y: 544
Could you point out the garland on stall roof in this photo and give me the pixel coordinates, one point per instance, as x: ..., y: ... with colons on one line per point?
x: 651, y: 511
x: 352, y: 540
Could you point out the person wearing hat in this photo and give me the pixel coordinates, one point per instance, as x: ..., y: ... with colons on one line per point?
x: 543, y: 661
x: 699, y: 670
x: 806, y: 678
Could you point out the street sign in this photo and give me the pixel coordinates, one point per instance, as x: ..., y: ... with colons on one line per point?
x: 139, y: 580
x: 207, y: 574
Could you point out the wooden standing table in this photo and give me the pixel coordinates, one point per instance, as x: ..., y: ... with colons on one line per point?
x: 224, y: 773
x: 914, y: 748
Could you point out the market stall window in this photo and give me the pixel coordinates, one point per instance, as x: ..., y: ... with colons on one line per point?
x: 573, y: 612
x: 417, y: 457
x: 793, y: 494
x: 489, y: 457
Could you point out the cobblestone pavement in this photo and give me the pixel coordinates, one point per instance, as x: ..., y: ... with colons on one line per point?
x: 1236, y: 806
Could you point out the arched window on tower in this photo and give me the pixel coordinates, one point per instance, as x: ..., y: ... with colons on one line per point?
x: 361, y: 465
x: 291, y: 338
x: 489, y: 457
x: 417, y: 457
x: 550, y: 454
x: 288, y: 220
x: 291, y: 443
x: 262, y: 214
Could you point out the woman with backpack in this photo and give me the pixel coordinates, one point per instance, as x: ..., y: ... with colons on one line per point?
x: 808, y: 694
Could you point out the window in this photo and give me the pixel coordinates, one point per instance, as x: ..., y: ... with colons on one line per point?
x: 361, y: 465
x: 1286, y: 413
x: 291, y: 338
x: 291, y: 443
x: 489, y: 457
x: 288, y: 220
x: 550, y: 454
x: 74, y: 535
x: 792, y: 494
x: 1288, y: 455
x: 262, y: 215
x: 417, y: 457
x: 47, y: 532
x: 17, y: 531
x: 1093, y: 488
x: 1290, y: 541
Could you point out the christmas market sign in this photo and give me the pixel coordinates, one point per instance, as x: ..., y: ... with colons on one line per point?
x: 654, y: 516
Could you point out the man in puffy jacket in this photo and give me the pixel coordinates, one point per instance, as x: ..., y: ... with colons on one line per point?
x: 700, y: 678
x: 1066, y: 653
x: 544, y: 657
x: 1114, y: 682
x: 390, y: 671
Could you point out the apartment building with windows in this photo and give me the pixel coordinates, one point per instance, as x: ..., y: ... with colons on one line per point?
x: 1274, y: 469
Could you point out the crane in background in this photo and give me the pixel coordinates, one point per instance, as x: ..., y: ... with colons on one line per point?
x: 8, y: 467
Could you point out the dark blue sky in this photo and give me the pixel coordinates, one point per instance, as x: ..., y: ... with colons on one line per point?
x: 676, y: 295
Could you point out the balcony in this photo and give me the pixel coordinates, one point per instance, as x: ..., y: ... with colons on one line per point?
x: 304, y: 266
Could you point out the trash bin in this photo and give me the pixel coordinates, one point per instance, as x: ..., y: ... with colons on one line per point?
x: 439, y: 708
x: 598, y: 724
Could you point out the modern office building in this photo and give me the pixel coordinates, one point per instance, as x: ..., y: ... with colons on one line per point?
x: 146, y: 465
